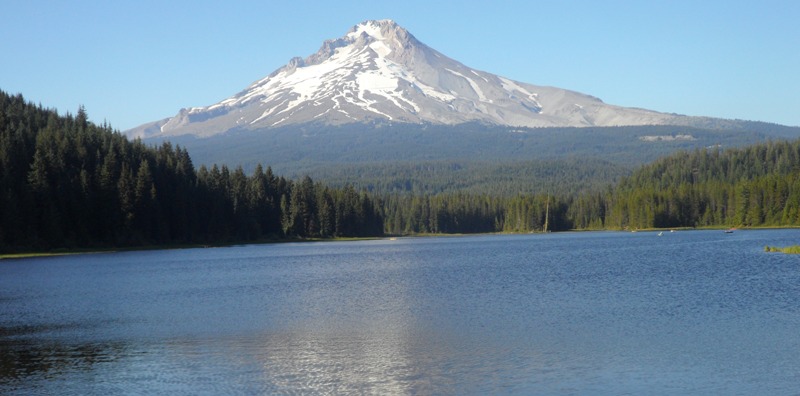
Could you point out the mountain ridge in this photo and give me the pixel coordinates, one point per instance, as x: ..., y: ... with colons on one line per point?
x: 378, y: 72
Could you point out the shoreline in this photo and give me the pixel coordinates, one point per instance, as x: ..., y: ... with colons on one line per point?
x: 101, y: 250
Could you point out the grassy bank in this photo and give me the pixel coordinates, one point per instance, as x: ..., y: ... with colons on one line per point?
x: 788, y: 250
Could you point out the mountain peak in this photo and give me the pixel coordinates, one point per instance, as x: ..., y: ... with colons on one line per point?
x: 385, y: 30
x: 382, y: 36
x: 379, y: 72
x: 377, y: 29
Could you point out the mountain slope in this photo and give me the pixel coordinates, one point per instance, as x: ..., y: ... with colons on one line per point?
x: 380, y: 73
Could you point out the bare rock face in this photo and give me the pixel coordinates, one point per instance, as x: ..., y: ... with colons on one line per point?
x: 379, y: 72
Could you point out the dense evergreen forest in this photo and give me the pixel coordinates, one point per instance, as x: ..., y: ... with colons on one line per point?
x: 69, y: 183
x: 567, y: 176
x: 753, y: 186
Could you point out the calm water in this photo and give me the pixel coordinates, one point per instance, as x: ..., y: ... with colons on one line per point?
x: 690, y: 312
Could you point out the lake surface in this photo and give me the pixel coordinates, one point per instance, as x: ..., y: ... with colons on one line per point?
x: 689, y: 312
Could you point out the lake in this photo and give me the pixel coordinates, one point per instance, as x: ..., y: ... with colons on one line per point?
x: 688, y: 312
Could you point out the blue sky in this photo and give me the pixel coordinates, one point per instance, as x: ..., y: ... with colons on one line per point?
x: 131, y: 62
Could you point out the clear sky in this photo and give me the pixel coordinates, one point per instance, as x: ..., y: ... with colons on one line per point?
x: 131, y: 62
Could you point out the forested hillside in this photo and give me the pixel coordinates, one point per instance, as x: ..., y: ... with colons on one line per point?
x: 748, y: 187
x: 565, y: 177
x: 313, y: 149
x: 68, y: 183
x: 753, y: 186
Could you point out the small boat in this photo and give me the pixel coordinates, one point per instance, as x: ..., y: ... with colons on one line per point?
x: 730, y: 230
x: 661, y: 233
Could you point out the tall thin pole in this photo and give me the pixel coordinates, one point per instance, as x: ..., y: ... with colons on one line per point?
x: 547, y: 213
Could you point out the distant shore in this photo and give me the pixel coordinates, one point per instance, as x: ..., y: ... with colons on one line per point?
x: 99, y: 250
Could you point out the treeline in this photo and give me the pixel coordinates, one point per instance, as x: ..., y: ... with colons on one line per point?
x: 69, y: 183
x: 474, y: 213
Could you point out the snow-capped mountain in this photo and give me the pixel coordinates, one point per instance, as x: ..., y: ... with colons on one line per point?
x: 379, y: 72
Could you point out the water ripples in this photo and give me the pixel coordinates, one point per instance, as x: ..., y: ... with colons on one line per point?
x: 688, y: 312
